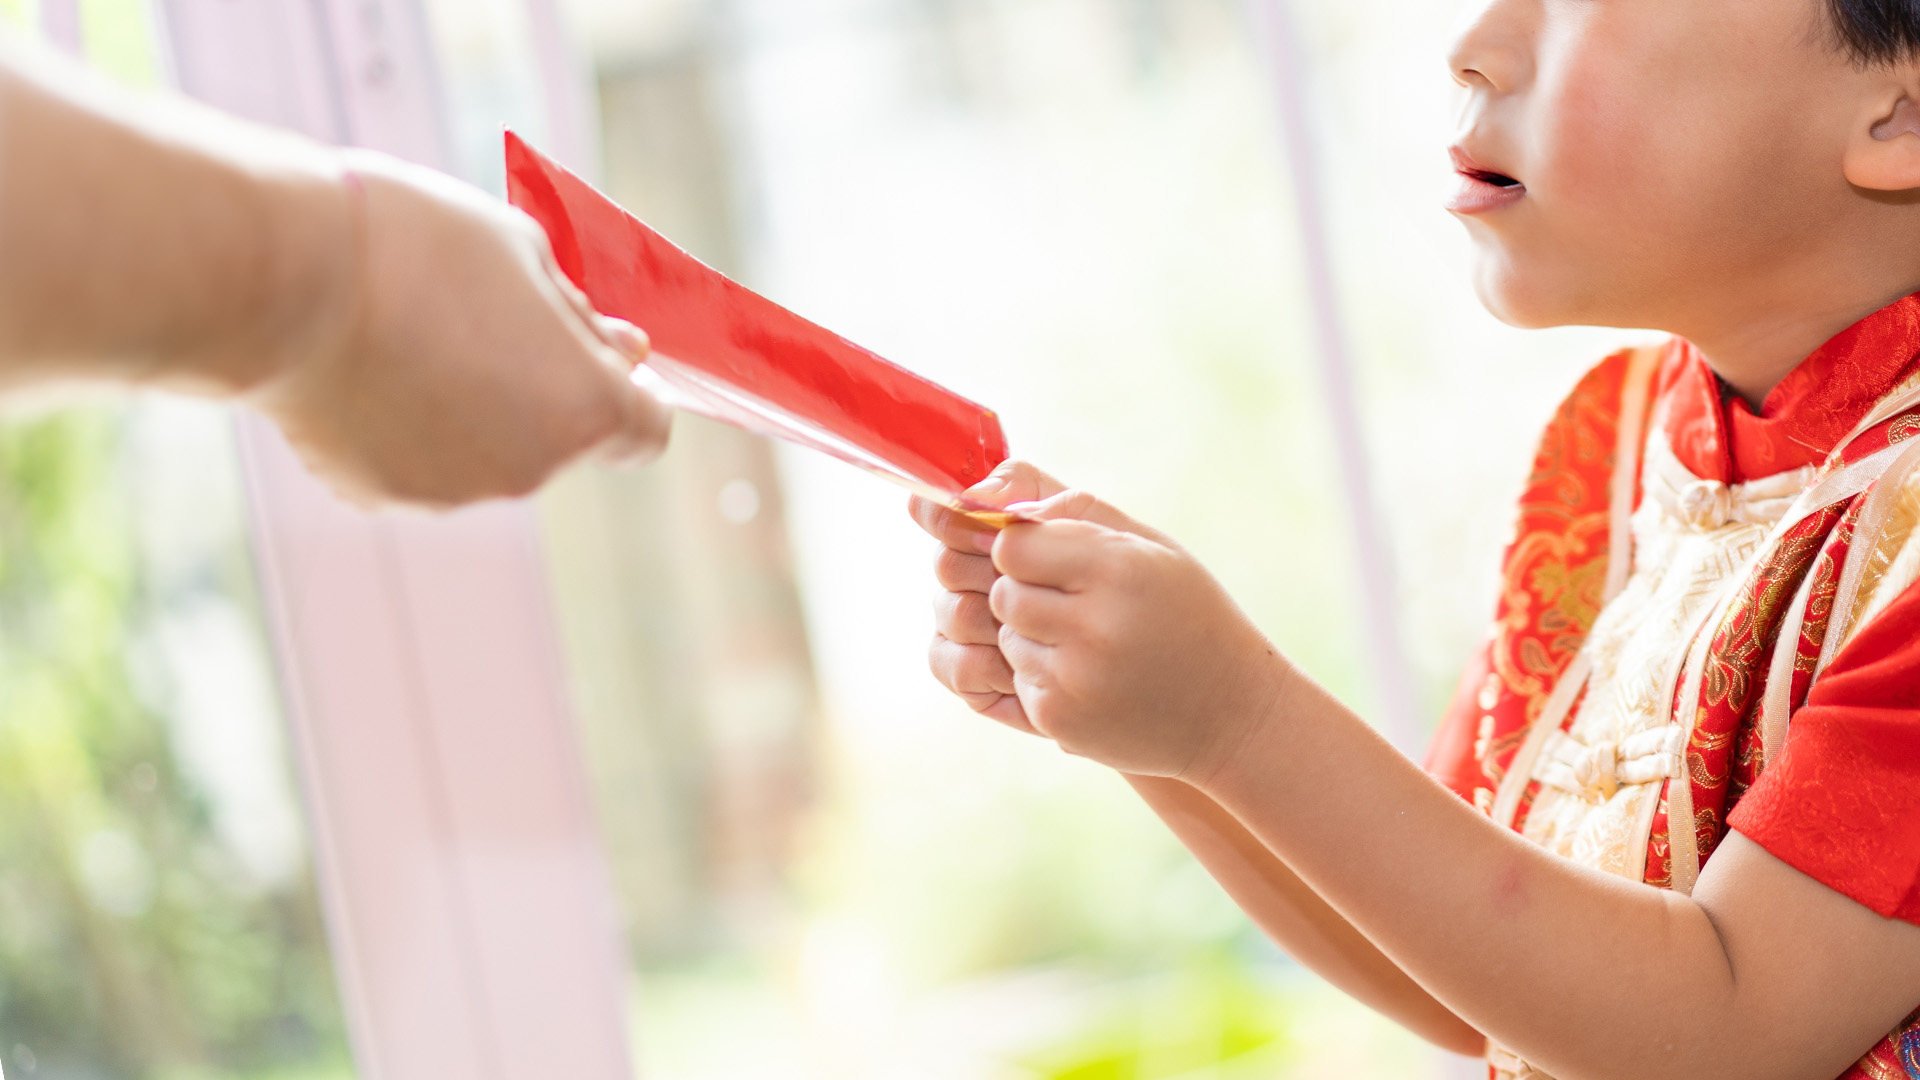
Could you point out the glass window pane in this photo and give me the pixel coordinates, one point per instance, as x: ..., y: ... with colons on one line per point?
x: 157, y: 907
x: 1075, y: 212
x: 158, y: 916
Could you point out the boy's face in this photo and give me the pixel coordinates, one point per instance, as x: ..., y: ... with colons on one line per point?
x: 1671, y: 153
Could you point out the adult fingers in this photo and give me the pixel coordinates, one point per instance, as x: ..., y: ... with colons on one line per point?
x: 638, y: 421
x: 575, y: 297
x: 628, y: 340
x: 641, y: 421
x: 645, y: 424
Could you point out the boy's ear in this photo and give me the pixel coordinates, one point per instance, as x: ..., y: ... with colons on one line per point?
x: 1885, y: 155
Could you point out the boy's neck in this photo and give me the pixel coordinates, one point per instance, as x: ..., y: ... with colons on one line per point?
x: 1753, y: 353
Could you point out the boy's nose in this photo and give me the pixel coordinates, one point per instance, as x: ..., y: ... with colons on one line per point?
x: 1490, y: 52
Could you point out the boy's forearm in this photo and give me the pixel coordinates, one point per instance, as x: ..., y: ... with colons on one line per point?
x: 1501, y: 931
x: 1297, y: 919
x: 148, y: 240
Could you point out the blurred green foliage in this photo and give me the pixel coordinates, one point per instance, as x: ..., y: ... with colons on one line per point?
x: 132, y: 942
x: 1214, y: 1014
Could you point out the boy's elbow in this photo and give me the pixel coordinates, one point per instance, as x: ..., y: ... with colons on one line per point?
x: 1463, y: 1040
x: 1452, y: 1034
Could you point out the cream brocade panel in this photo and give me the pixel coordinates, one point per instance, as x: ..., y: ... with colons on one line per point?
x: 1693, y: 540
x: 1893, y: 564
x: 1601, y: 782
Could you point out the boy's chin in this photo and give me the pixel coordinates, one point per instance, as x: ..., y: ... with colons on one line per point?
x: 1525, y: 301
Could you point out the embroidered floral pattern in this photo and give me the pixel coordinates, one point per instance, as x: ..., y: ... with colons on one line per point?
x: 1550, y: 610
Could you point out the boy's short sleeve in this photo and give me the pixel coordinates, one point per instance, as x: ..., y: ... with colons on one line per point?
x: 1842, y: 802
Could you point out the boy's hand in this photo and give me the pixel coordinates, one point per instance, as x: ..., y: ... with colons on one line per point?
x: 965, y: 655
x: 1097, y: 632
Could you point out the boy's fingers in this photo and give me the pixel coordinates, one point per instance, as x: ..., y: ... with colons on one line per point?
x: 1052, y: 553
x: 1033, y: 611
x: 1075, y: 505
x: 969, y: 669
x: 1027, y: 658
x: 956, y: 531
x: 964, y: 656
x: 957, y: 571
x: 965, y: 617
x: 1010, y: 712
x: 1012, y: 482
x: 979, y: 676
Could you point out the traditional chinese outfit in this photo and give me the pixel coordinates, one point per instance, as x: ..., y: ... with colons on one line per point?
x: 1708, y: 616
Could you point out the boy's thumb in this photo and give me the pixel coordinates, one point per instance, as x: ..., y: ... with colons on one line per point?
x: 1014, y: 482
x: 1075, y: 505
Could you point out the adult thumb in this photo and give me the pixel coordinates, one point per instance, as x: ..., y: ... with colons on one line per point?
x: 644, y: 418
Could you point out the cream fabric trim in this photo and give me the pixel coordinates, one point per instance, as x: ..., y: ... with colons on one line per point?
x: 1903, y: 397
x: 1831, y: 488
x: 1506, y: 805
x: 1777, y: 704
x: 1628, y: 454
x: 1629, y: 449
x: 1869, y: 531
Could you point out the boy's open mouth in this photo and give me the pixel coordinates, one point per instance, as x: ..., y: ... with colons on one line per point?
x: 1481, y: 189
x: 1494, y: 178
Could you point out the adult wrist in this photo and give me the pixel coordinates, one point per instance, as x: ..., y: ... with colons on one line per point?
x: 309, y: 302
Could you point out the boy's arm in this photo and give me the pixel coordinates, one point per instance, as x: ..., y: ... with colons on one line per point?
x: 966, y: 659
x: 1306, y: 927
x: 1580, y: 973
x: 1123, y: 649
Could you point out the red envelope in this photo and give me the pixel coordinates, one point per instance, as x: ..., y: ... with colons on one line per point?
x: 726, y: 352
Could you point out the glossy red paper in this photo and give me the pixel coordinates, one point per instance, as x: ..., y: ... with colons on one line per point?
x: 739, y: 357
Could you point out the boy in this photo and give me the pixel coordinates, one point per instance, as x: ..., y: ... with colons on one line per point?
x: 1708, y: 614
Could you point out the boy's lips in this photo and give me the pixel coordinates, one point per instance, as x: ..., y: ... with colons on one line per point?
x: 1482, y: 189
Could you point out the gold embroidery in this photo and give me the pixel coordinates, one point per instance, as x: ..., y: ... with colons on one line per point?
x: 1636, y: 645
x: 1892, y: 564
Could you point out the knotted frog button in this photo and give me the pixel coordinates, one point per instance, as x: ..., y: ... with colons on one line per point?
x: 1596, y: 770
x: 1706, y: 505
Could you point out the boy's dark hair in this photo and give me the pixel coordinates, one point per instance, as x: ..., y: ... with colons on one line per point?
x: 1877, y: 31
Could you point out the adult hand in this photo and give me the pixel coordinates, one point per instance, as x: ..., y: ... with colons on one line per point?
x: 453, y: 361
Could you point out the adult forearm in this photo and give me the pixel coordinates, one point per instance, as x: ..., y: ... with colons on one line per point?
x: 1297, y: 919
x: 146, y: 239
x: 1580, y: 973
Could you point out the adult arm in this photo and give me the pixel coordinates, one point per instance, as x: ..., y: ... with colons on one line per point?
x: 409, y: 334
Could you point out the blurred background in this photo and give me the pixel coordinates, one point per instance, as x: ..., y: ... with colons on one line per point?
x: 1079, y: 212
